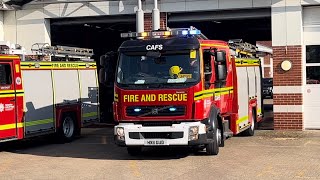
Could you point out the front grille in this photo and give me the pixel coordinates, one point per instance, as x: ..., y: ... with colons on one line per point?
x: 154, y: 111
x: 155, y: 135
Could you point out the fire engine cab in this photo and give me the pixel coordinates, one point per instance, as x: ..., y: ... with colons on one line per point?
x: 46, y: 97
x: 178, y: 88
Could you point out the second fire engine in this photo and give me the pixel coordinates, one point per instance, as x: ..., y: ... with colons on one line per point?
x: 46, y: 97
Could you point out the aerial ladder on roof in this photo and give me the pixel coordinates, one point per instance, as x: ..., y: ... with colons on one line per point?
x: 12, y: 49
x: 62, y: 53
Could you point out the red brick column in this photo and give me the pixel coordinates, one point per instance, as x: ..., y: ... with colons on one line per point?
x: 148, y: 21
x: 286, y: 100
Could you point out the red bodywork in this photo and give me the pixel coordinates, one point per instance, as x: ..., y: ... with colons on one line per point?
x: 11, y: 101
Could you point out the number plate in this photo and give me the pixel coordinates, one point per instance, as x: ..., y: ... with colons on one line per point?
x: 155, y: 142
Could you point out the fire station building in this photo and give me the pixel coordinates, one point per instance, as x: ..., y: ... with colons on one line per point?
x: 291, y: 27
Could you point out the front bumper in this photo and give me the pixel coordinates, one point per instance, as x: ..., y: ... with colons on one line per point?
x: 175, y: 135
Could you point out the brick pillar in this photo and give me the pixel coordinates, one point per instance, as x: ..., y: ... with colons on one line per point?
x: 148, y: 21
x: 287, y: 35
x: 287, y: 101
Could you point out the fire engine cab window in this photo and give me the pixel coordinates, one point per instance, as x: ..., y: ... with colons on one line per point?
x: 313, y: 64
x: 5, y: 74
x: 158, y: 68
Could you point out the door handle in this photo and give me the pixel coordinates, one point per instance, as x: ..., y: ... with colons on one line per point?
x: 13, y: 100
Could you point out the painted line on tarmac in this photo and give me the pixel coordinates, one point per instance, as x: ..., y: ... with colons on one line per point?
x: 266, y: 171
x: 134, y: 168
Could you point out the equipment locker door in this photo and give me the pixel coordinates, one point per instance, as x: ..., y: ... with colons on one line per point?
x: 8, y: 125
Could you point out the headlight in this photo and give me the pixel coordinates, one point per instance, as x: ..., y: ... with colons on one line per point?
x: 193, y: 133
x: 193, y: 130
x: 120, y: 131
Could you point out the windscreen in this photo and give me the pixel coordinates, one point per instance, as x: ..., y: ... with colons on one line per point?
x: 170, y: 67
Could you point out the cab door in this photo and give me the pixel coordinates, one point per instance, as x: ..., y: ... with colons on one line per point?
x: 8, y: 125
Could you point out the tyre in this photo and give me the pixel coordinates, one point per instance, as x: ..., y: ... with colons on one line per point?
x: 67, y: 128
x: 212, y: 148
x: 134, y: 151
x: 250, y: 130
x: 222, y: 139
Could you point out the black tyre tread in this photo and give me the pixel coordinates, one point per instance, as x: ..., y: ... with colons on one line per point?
x: 212, y: 148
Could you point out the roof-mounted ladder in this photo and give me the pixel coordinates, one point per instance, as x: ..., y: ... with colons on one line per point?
x: 243, y: 48
x: 62, y: 51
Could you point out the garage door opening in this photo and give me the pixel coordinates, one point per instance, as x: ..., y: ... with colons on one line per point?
x: 102, y: 34
x: 250, y: 30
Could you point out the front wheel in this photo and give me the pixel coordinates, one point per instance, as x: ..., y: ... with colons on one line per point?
x: 213, y: 147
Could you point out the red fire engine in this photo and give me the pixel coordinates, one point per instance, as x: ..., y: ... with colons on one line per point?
x: 178, y: 88
x: 39, y: 98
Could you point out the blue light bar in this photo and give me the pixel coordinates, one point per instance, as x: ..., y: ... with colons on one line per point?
x: 195, y: 32
x: 185, y: 32
x: 137, y: 110
x: 172, y: 109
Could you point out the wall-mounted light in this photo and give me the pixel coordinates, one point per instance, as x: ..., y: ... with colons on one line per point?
x: 286, y: 65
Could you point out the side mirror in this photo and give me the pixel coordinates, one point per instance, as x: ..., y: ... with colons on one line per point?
x: 222, y: 72
x: 104, y: 60
x: 103, y: 76
x: 220, y: 56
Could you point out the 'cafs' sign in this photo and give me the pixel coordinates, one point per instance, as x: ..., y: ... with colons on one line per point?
x: 154, y: 47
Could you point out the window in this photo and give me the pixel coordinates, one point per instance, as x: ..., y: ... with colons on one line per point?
x: 5, y: 74
x: 208, y: 74
x: 313, y: 64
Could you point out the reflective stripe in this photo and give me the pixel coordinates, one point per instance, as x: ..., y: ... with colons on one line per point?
x: 215, y: 45
x: 247, y: 62
x: 11, y: 93
x: 39, y: 122
x: 243, y: 121
x: 259, y: 110
x: 245, y: 118
x: 10, y: 57
x: 211, y: 92
x: 10, y: 126
x: 91, y: 114
x: 58, y: 65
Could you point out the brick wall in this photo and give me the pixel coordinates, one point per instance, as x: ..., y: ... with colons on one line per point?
x: 287, y: 120
x: 292, y: 77
x: 266, y: 59
x: 267, y: 71
x: 148, y: 21
x: 287, y: 99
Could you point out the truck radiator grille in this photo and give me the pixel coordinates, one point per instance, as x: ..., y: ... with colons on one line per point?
x: 155, y: 135
x: 155, y: 111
